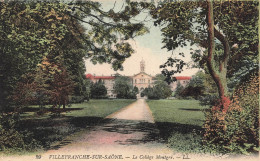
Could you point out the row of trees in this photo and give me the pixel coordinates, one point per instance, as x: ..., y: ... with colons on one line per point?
x: 160, y: 90
x: 227, y: 34
x: 122, y: 88
x: 43, y: 45
x: 61, y: 34
x: 35, y: 33
x: 200, y: 86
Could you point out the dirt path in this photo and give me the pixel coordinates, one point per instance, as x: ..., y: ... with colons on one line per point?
x: 128, y: 134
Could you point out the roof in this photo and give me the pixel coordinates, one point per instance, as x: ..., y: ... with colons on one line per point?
x: 183, y: 78
x: 90, y: 76
x: 104, y: 77
x: 141, y: 73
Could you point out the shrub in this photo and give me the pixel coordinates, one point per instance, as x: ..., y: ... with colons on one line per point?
x: 188, y: 143
x: 236, y: 129
x: 13, y: 140
x: 178, y: 91
x: 76, y: 99
x: 208, y: 99
x: 191, y: 91
x: 131, y: 95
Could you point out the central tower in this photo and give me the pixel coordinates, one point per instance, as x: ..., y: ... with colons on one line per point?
x: 142, y: 66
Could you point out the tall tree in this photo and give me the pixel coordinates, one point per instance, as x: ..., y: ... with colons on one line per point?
x: 161, y: 85
x: 122, y: 86
x: 193, y: 22
x: 64, y: 32
x: 98, y: 90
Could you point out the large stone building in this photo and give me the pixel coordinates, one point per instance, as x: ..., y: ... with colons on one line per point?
x: 108, y: 82
x: 183, y: 80
x: 141, y: 80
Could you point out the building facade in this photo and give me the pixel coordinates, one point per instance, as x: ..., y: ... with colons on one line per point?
x: 183, y: 80
x: 108, y: 81
x: 140, y: 80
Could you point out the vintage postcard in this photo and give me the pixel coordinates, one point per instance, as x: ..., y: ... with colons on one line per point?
x: 141, y: 80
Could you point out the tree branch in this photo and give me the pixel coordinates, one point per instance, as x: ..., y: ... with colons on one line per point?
x: 109, y: 24
x: 225, y: 43
x: 92, y: 24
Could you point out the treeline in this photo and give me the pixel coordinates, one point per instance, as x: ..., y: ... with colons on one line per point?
x: 160, y: 89
x: 43, y: 46
x: 122, y: 88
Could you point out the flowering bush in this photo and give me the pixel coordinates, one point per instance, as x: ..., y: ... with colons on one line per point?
x: 233, y: 125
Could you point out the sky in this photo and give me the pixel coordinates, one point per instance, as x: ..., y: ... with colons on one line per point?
x: 147, y: 47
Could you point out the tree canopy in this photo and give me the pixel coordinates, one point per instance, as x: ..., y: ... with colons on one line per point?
x: 65, y: 33
x: 231, y: 25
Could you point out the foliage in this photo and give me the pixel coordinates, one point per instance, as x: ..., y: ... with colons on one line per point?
x: 24, y: 93
x: 198, y: 79
x: 98, y: 90
x: 195, y: 88
x: 76, y: 99
x: 49, y: 85
x: 186, y: 23
x: 147, y: 92
x: 236, y: 130
x: 32, y: 30
x: 61, y: 88
x: 123, y: 88
x: 208, y: 99
x: 13, y: 140
x: 135, y: 90
x: 191, y: 92
x: 178, y: 90
x: 58, y: 85
x: 152, y: 93
x: 179, y: 122
x: 160, y: 90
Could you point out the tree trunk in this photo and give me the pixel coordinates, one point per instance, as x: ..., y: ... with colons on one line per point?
x: 218, y: 74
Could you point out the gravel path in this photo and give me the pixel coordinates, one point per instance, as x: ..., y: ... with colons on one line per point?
x: 128, y: 134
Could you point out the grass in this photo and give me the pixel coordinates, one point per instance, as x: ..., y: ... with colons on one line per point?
x: 180, y: 123
x: 98, y: 108
x: 49, y: 131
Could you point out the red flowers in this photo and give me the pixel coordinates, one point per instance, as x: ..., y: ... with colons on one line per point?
x: 222, y: 104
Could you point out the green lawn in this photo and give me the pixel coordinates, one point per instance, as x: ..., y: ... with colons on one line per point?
x: 47, y: 129
x: 180, y: 123
x: 99, y: 108
x: 177, y: 111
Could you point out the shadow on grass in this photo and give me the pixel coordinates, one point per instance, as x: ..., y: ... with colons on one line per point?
x: 190, y: 109
x: 167, y: 129
x: 50, y: 130
x: 147, y: 131
x: 31, y: 109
